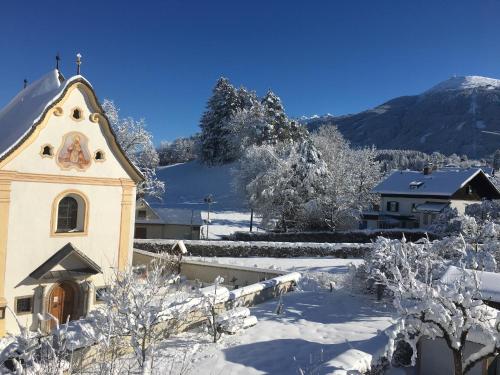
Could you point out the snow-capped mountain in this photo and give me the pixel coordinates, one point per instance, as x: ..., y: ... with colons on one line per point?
x: 450, y: 117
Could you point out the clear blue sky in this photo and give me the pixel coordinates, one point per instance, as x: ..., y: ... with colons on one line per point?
x: 159, y: 60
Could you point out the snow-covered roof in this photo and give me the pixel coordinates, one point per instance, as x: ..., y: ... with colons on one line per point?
x: 466, y: 82
x: 444, y: 182
x: 17, y: 117
x: 431, y: 207
x: 24, y: 112
x: 177, y: 216
x: 489, y: 286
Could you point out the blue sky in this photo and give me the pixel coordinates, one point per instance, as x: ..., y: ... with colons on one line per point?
x: 160, y: 59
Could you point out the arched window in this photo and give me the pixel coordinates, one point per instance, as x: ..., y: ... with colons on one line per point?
x: 71, y: 211
x: 67, y: 215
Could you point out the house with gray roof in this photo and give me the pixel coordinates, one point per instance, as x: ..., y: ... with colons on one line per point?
x: 413, y: 199
x: 167, y: 223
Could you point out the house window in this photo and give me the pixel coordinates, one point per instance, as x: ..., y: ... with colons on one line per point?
x: 99, y: 293
x: 392, y: 206
x: 141, y: 214
x: 413, y: 207
x: 24, y: 305
x: 71, y: 211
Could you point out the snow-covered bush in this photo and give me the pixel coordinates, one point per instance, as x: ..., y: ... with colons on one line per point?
x: 485, y: 211
x: 144, y: 308
x: 31, y: 353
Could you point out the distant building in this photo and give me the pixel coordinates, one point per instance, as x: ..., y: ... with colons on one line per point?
x: 168, y: 223
x: 413, y: 199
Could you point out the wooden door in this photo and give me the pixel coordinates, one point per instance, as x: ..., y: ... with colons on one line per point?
x: 61, y: 303
x: 140, y: 232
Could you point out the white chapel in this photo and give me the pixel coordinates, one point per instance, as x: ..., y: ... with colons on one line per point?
x: 67, y: 203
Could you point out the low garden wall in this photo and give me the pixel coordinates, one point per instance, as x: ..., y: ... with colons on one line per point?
x: 361, y: 236
x: 258, y: 248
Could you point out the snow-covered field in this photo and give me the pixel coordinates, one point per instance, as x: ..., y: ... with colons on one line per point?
x: 223, y: 223
x: 187, y: 184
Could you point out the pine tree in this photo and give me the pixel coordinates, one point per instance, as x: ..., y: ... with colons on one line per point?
x: 215, y: 145
x: 279, y: 127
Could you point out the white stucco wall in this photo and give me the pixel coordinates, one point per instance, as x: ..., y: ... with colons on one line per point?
x: 30, y: 161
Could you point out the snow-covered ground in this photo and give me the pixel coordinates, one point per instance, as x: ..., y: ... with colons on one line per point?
x: 315, y: 327
x: 331, y: 265
x: 187, y: 184
x: 223, y: 223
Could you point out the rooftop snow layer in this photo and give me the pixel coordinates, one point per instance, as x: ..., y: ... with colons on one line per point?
x: 177, y: 216
x: 465, y: 82
x: 489, y: 282
x: 17, y: 117
x: 442, y: 182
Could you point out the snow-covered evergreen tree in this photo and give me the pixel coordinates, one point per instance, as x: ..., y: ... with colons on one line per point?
x: 137, y: 143
x: 279, y: 127
x: 215, y: 136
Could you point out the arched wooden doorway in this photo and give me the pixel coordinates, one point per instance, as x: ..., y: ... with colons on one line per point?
x: 62, y: 302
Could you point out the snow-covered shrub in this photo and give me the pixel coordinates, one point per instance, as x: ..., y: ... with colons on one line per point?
x: 485, y: 211
x: 143, y: 309
x: 443, y: 224
x: 30, y: 353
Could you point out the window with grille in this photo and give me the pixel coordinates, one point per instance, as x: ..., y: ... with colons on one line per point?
x: 24, y: 305
x: 67, y: 215
x: 392, y: 206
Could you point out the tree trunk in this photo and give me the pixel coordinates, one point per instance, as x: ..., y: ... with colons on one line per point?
x: 457, y: 362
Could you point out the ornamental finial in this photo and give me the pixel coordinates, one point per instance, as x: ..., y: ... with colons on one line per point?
x: 58, y: 58
x: 78, y: 63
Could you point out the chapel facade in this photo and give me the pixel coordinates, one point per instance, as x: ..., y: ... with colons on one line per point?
x: 67, y: 203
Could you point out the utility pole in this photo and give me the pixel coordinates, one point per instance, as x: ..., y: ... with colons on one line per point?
x: 209, y: 199
x: 251, y: 220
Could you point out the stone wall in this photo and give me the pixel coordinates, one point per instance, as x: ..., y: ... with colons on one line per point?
x: 258, y: 249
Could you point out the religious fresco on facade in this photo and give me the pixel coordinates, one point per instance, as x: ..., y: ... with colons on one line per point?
x: 74, y: 152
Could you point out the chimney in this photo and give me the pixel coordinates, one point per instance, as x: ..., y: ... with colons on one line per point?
x: 428, y: 169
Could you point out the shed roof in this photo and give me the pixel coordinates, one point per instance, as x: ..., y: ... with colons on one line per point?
x: 174, y: 216
x: 489, y: 286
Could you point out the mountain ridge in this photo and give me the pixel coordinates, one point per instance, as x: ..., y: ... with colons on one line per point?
x: 450, y: 117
